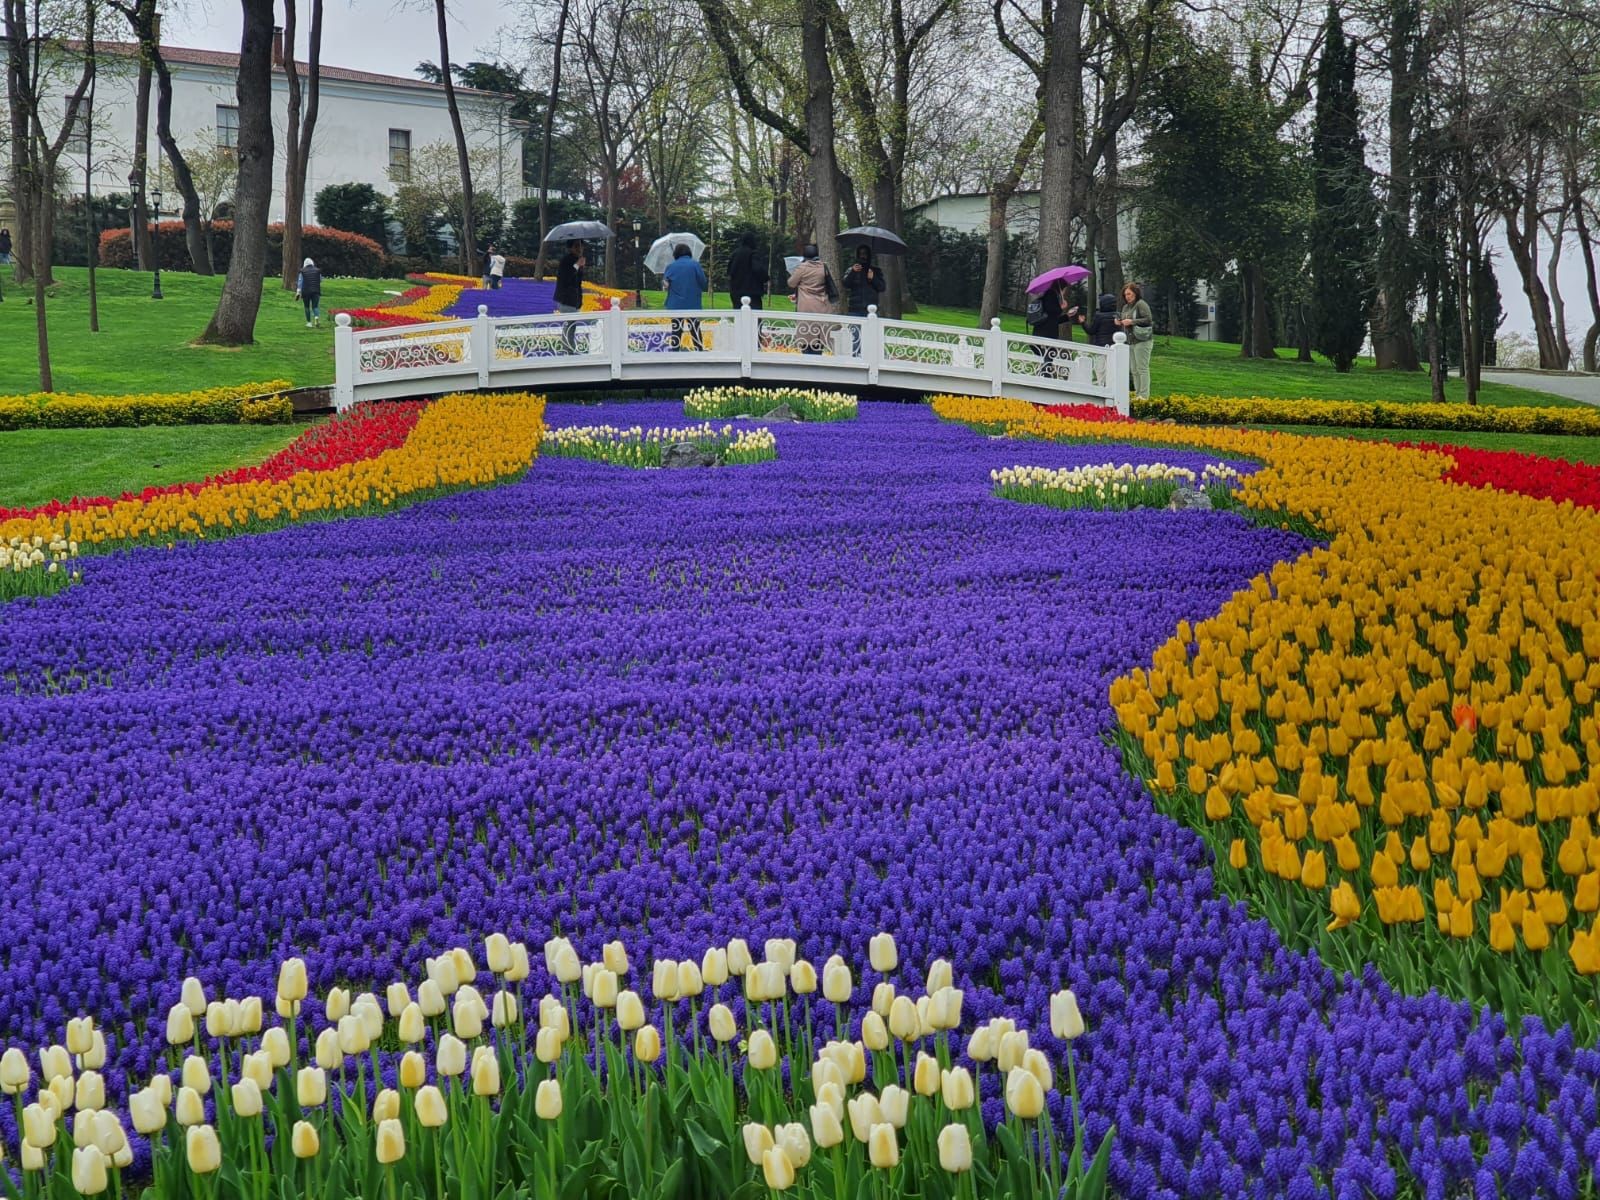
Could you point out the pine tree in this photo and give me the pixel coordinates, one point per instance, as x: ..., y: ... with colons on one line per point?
x: 1343, y: 227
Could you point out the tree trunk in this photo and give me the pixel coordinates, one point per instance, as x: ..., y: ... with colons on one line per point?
x: 994, y: 268
x: 469, y: 245
x: 1523, y: 242
x: 1063, y: 72
x: 1591, y: 340
x: 1110, y: 234
x: 1393, y: 345
x: 823, y: 180
x: 1436, y: 366
x: 1302, y: 322
x: 1558, y: 304
x: 298, y: 134
x: 194, y: 231
x: 234, y: 322
x: 17, y: 92
x: 90, y: 250
x: 547, y: 137
x: 142, y: 247
x: 886, y: 210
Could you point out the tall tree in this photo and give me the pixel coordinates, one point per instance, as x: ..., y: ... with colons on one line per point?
x: 547, y: 132
x: 298, y: 132
x: 1404, y: 40
x: 1341, y: 224
x: 823, y: 176
x: 609, y: 108
x: 1001, y: 193
x: 142, y: 248
x: 39, y: 58
x: 469, y: 247
x: 234, y: 322
x: 1063, y: 97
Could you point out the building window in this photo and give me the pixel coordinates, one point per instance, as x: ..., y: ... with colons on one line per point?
x: 227, y: 126
x: 400, y: 155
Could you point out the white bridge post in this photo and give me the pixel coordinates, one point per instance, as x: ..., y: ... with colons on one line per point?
x: 483, y: 344
x: 616, y: 335
x: 1117, y: 371
x: 344, y: 362
x: 744, y: 335
x: 872, y: 344
x: 994, y: 356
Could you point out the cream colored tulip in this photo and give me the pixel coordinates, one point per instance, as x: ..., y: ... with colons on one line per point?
x: 837, y: 985
x: 497, y: 953
x: 826, y: 1130
x: 925, y: 1079
x: 552, y: 947
x: 1066, y: 1022
x: 275, y: 1045
x: 630, y: 1011
x: 824, y: 1071
x: 464, y: 1017
x: 763, y: 1051
x: 412, y: 1026
x: 15, y: 1073
x: 615, y: 956
x: 451, y: 1057
x: 386, y: 1105
x: 80, y: 1034
x: 864, y: 1113
x: 739, y: 960
x: 304, y: 1141
x: 1024, y: 1096
x: 664, y: 979
x: 781, y: 951
x: 466, y: 970
x: 413, y: 1070
x: 180, y: 1025
x: 251, y: 1014
x: 32, y: 1159
x: 803, y: 978
x: 903, y: 1023
x: 395, y: 998
x: 432, y: 1112
x: 486, y: 1074
x: 246, y: 1098
x: 109, y: 1134
x: 647, y: 1044
x: 690, y: 981
x: 327, y: 1054
x: 714, y: 967
x: 874, y: 1032
x: 430, y: 1000
x: 196, y: 1074
x: 882, y: 953
x: 1037, y: 1065
x: 352, y: 1035
x: 292, y: 979
x: 94, y: 1058
x: 257, y: 1068
x: 194, y: 997
x: 503, y: 1011
x: 955, y: 1149
x: 311, y: 1087
x: 90, y: 1094
x: 442, y: 973
x: 55, y: 1063
x: 955, y: 1085
x: 831, y: 1095
x: 62, y: 1092
x: 723, y: 1027
x: 945, y: 1008
x: 605, y: 988
x: 777, y: 1170
x: 883, y: 997
x: 190, y: 1109
x: 519, y: 969
x: 566, y: 968
x: 1013, y: 1046
x: 894, y: 1102
x: 883, y: 1148
x: 89, y: 1177
x: 793, y: 1140
x: 547, y: 1045
x: 391, y: 1143
x: 370, y: 1013
x: 854, y: 1062
x: 337, y: 1004
x: 547, y: 1101
x: 757, y: 1141
x: 147, y: 1112
x: 161, y: 1085
x: 38, y: 1127
x: 940, y: 975
x: 980, y: 1046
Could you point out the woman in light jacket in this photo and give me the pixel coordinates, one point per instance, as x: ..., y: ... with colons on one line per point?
x: 1137, y: 322
x: 814, y: 292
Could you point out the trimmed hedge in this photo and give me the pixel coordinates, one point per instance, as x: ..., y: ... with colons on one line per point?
x: 1351, y: 414
x: 335, y: 251
x: 242, y: 404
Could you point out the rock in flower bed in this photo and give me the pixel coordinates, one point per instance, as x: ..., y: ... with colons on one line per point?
x: 849, y: 692
x: 796, y: 403
x: 620, y: 1080
x: 657, y: 446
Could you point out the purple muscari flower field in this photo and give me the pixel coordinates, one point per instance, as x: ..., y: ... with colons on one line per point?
x: 843, y: 692
x: 513, y: 298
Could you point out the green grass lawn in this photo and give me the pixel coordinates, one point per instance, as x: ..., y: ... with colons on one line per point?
x: 144, y: 344
x: 38, y: 465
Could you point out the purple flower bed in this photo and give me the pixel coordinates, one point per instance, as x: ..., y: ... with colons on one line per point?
x: 843, y: 692
x: 513, y: 298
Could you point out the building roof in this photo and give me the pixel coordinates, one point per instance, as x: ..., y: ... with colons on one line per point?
x: 229, y: 61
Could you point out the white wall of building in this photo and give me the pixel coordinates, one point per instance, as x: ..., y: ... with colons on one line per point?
x: 350, y: 143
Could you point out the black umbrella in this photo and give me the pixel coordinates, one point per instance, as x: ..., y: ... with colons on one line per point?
x: 579, y: 231
x: 875, y: 237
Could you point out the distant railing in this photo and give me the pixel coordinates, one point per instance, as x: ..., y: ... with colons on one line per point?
x: 618, y: 345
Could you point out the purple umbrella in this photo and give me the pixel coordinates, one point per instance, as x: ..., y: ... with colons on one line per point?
x: 1070, y: 274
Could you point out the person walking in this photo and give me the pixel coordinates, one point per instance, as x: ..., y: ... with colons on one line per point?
x: 5, y: 247
x: 569, y: 292
x: 747, y: 274
x: 686, y: 285
x: 1136, y: 321
x: 863, y: 284
x: 496, y: 268
x: 308, y: 288
x: 814, y: 292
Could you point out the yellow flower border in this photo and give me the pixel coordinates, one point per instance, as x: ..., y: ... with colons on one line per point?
x: 460, y: 440
x: 256, y: 403
x: 1353, y: 414
x: 1396, y: 731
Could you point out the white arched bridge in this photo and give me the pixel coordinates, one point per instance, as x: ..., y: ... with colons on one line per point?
x: 633, y: 347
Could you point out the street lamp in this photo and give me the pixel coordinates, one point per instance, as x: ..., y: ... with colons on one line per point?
x: 638, y: 299
x: 1100, y: 261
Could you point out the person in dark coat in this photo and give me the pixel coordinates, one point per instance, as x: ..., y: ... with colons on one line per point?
x: 308, y: 286
x: 863, y: 284
x: 1047, y: 323
x: 1101, y: 323
x: 5, y: 246
x: 569, y: 292
x: 747, y: 274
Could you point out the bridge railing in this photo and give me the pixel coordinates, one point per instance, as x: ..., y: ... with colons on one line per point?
x: 825, y: 349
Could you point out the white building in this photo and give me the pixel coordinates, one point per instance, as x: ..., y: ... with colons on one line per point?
x: 968, y: 212
x: 367, y: 124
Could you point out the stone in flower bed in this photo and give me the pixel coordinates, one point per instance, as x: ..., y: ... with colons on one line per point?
x: 658, y: 446
x: 1110, y: 486
x: 773, y: 404
x: 621, y: 1076
x: 845, y: 693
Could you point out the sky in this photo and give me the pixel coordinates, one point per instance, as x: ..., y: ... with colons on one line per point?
x: 391, y: 38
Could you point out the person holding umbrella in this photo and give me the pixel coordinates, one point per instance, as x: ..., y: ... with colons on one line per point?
x: 569, y: 292
x: 686, y: 284
x: 1047, y: 308
x: 747, y: 274
x: 863, y: 284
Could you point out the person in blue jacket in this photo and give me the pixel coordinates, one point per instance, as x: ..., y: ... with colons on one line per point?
x: 686, y: 285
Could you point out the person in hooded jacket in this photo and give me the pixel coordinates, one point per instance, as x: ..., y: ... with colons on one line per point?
x: 1101, y: 324
x: 308, y: 287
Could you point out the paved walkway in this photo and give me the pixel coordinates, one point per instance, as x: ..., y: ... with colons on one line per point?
x: 1583, y: 388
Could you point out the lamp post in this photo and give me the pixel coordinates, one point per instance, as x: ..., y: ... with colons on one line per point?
x: 638, y: 298
x: 1100, y: 261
